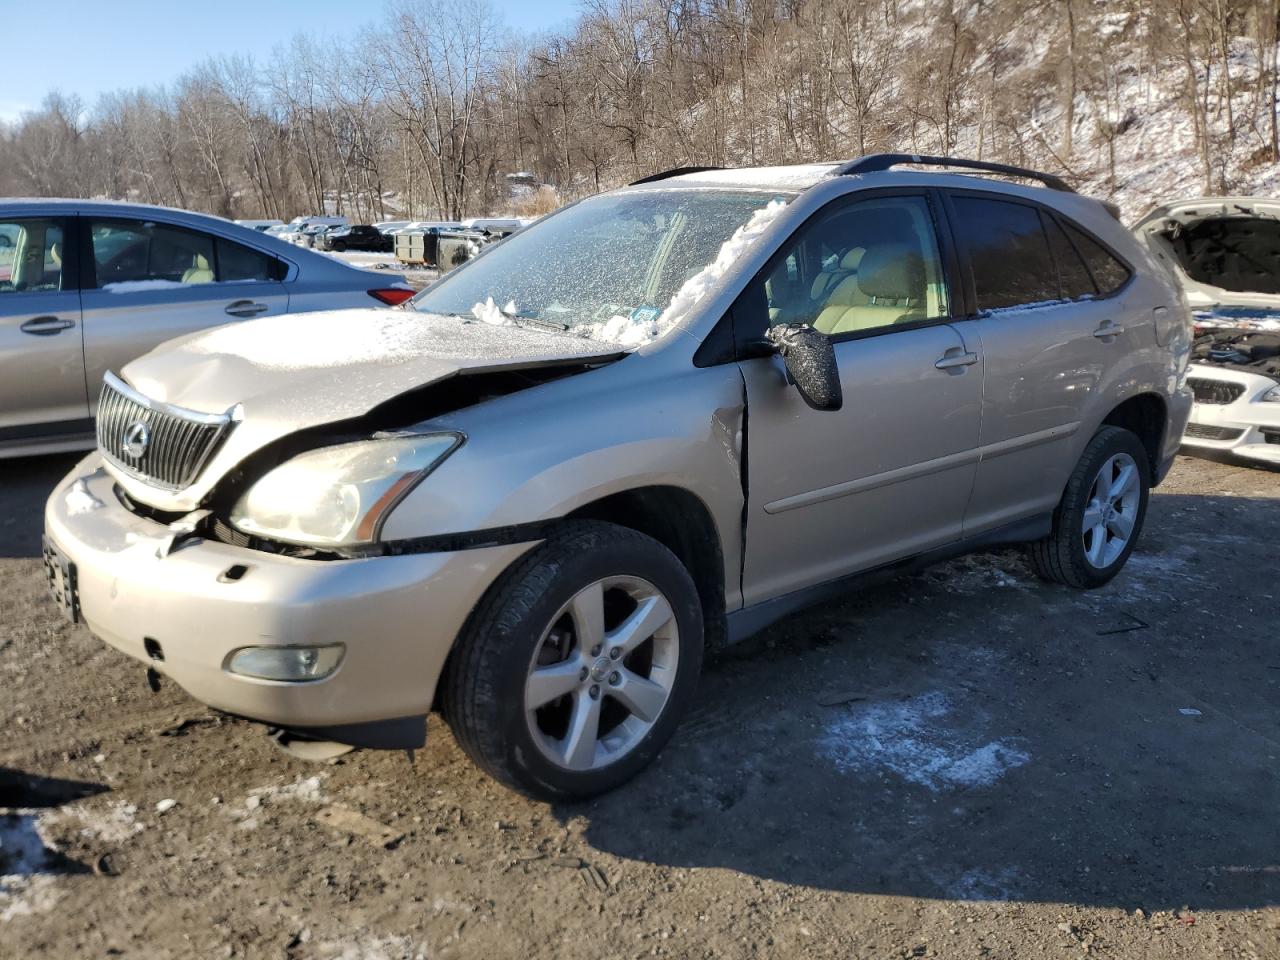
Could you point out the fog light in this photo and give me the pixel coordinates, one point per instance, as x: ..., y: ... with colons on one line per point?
x: 287, y: 663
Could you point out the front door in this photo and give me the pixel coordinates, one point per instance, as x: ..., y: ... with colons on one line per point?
x: 42, y: 386
x: 149, y: 282
x: 888, y: 475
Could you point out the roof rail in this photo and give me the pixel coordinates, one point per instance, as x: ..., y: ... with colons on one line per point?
x: 673, y: 172
x: 875, y: 162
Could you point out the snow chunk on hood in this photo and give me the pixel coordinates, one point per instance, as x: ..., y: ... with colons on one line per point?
x: 630, y: 331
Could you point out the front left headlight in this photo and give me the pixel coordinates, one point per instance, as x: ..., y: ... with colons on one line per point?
x: 339, y: 495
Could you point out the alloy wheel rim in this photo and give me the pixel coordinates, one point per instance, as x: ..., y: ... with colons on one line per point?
x: 1112, y: 511
x: 602, y: 673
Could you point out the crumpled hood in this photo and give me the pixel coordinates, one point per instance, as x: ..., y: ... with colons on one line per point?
x: 290, y: 372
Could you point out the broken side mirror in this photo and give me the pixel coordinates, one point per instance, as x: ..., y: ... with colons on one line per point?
x: 810, y: 359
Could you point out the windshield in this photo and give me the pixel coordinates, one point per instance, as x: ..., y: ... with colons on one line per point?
x: 609, y: 267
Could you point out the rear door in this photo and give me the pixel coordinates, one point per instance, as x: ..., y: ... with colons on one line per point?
x: 1049, y: 336
x: 42, y: 384
x: 147, y: 281
x: 888, y: 475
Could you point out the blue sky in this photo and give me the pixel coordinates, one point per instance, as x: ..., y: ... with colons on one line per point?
x: 87, y: 47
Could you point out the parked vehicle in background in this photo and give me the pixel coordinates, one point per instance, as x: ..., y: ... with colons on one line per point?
x: 391, y: 226
x: 88, y: 286
x: 421, y: 226
x: 495, y: 226
x: 357, y: 237
x: 1225, y: 254
x: 659, y: 418
x: 260, y: 225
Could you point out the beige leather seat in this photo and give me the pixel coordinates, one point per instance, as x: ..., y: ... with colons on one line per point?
x: 889, y: 288
x: 828, y: 280
x: 199, y: 271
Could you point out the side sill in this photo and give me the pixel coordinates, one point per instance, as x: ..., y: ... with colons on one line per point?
x: 751, y: 620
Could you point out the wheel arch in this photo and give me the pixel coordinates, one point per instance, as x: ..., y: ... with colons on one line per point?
x: 1145, y: 415
x: 679, y: 520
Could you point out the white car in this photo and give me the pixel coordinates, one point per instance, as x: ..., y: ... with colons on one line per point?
x: 1225, y: 252
x: 503, y: 225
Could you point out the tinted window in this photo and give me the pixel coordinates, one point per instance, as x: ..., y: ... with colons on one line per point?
x: 139, y: 251
x: 1008, y: 252
x: 862, y: 266
x: 30, y: 256
x: 1072, y: 272
x: 240, y: 263
x: 1109, y: 273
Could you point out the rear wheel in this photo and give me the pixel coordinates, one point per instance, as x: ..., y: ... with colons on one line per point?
x: 575, y: 669
x: 1099, y: 519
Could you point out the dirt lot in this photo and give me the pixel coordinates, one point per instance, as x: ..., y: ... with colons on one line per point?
x: 963, y: 763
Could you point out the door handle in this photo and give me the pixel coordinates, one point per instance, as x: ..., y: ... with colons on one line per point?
x: 1108, y: 330
x: 955, y: 358
x: 246, y: 308
x: 46, y: 326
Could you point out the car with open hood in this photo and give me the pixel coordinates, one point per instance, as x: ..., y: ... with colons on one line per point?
x: 653, y: 422
x: 1225, y: 253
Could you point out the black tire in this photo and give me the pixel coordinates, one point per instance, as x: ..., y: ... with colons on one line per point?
x: 483, y: 690
x: 338, y: 247
x: 1061, y: 556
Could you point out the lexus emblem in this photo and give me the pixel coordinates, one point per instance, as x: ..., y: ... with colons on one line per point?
x: 136, y: 438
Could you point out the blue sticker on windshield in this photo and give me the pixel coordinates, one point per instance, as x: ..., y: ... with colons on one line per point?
x: 645, y: 314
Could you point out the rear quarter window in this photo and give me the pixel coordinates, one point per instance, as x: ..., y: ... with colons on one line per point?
x: 1109, y: 273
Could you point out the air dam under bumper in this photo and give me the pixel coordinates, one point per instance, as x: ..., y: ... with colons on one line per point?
x: 1247, y: 427
x: 397, y: 616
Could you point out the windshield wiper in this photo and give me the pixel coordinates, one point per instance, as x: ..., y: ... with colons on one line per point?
x: 538, y: 324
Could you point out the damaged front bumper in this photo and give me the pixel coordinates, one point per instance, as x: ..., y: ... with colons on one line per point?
x: 1230, y: 415
x: 186, y: 610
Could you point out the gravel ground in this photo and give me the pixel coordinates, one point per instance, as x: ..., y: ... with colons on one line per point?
x: 962, y: 763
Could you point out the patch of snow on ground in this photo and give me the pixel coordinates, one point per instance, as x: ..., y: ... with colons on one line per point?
x: 115, y: 821
x: 980, y: 884
x: 26, y: 882
x: 919, y: 741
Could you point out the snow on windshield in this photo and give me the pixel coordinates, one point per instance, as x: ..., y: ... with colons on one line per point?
x: 628, y: 331
x: 622, y: 268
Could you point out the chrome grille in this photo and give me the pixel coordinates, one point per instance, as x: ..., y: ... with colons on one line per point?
x: 1215, y: 391
x: 163, y: 445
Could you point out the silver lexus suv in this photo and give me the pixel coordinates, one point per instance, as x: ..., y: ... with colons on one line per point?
x: 650, y: 424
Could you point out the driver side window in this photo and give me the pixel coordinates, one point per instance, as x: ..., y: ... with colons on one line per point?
x: 865, y: 266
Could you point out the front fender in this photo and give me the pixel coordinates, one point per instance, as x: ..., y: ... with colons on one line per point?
x: 543, y: 453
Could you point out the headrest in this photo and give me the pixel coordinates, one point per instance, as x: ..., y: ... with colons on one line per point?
x: 892, y: 272
x: 201, y: 262
x: 851, y: 259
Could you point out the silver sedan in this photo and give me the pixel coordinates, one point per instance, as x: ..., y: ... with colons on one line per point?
x: 86, y: 286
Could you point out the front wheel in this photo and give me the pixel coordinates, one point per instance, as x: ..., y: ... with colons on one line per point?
x: 576, y: 666
x: 1099, y: 518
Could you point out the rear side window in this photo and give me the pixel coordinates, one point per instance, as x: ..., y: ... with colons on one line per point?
x: 134, y: 252
x: 1008, y: 252
x: 1072, y: 272
x: 237, y: 263
x: 1108, y: 272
